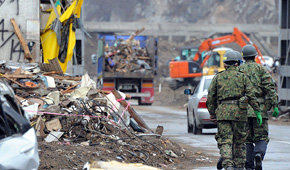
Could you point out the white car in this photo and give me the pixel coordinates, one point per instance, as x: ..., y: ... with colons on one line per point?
x: 269, y: 61
x: 18, y: 143
x: 197, y: 114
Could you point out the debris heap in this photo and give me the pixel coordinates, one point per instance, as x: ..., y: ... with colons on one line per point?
x: 76, y: 122
x: 127, y: 55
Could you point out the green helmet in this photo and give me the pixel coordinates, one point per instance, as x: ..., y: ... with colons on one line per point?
x: 249, y: 51
x: 230, y: 56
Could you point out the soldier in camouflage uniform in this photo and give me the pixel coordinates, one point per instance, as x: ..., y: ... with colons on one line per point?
x: 228, y: 98
x: 220, y: 161
x: 264, y: 88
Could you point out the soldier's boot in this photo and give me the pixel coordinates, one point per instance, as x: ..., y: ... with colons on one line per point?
x: 258, y: 161
x: 261, y: 147
x: 219, y: 164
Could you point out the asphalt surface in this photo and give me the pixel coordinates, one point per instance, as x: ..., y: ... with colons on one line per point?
x: 175, y: 126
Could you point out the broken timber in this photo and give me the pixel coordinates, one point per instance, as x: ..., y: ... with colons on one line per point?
x: 26, y: 76
x: 22, y: 41
x: 132, y: 112
x: 53, y: 65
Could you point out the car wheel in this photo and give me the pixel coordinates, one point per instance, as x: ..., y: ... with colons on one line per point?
x: 189, y: 126
x: 196, y: 130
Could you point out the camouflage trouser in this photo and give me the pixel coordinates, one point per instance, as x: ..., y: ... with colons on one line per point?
x: 257, y: 133
x: 231, y: 138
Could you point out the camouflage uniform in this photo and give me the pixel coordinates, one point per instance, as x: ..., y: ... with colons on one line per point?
x: 226, y: 89
x: 264, y: 88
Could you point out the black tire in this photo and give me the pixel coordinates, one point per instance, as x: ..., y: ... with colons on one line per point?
x: 196, y: 130
x: 189, y: 126
x: 143, y: 104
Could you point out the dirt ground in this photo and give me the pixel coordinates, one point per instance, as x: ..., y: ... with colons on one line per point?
x: 57, y: 155
x: 169, y: 97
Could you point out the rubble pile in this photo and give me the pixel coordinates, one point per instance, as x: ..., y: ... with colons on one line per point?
x: 127, y: 55
x: 75, y: 122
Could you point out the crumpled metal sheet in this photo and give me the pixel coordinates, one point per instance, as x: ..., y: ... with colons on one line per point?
x: 19, y: 151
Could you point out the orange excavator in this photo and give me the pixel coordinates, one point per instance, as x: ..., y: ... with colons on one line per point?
x: 194, y: 68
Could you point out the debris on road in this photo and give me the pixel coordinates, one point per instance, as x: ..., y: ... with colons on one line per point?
x: 75, y: 122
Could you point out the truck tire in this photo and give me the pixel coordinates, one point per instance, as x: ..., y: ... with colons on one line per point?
x: 143, y: 104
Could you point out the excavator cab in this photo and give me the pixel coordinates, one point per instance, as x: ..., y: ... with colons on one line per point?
x: 184, y: 66
x: 189, y: 53
x: 215, y: 63
x: 186, y: 54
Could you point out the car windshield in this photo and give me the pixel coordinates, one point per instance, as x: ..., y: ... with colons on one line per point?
x: 206, y: 84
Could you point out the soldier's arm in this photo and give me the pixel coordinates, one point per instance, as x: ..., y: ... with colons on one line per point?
x: 250, y: 94
x: 268, y: 87
x: 211, y: 102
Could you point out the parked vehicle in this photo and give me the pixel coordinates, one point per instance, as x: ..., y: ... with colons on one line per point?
x: 269, y: 61
x: 18, y: 144
x: 197, y: 114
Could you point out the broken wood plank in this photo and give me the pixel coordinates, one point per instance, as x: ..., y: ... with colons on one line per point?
x: 22, y: 41
x: 16, y: 76
x: 29, y: 76
x: 69, y: 89
x: 14, y: 81
x: 143, y: 58
x: 66, y: 77
x: 56, y: 64
x: 132, y: 112
x: 134, y: 35
x: 53, y: 65
x: 50, y: 73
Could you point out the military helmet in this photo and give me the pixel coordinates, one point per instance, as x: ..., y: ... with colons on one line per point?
x: 240, y: 57
x: 249, y: 51
x: 230, y: 56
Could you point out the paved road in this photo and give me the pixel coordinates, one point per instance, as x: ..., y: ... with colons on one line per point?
x: 174, y: 122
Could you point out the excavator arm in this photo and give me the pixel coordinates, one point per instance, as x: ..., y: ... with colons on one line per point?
x: 188, y: 70
x: 237, y: 37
